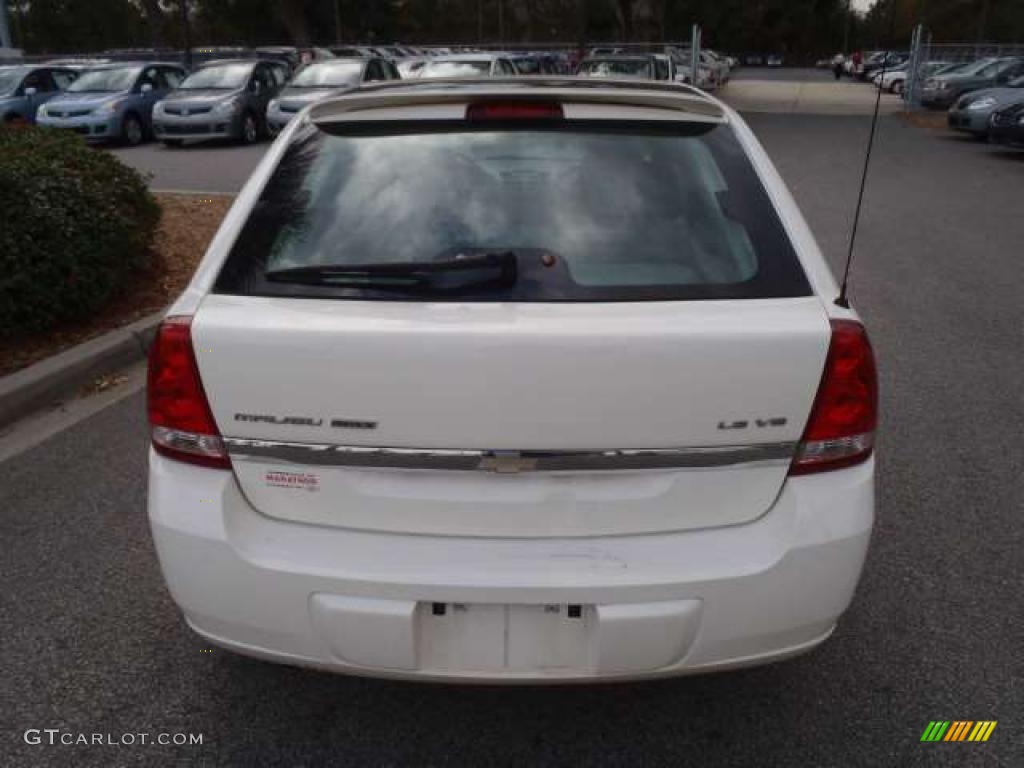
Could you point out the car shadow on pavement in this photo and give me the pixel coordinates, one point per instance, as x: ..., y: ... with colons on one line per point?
x: 733, y: 717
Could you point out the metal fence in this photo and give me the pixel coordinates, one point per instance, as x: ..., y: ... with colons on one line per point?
x: 924, y: 50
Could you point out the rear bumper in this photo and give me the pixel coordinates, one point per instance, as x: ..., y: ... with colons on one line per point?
x: 652, y: 605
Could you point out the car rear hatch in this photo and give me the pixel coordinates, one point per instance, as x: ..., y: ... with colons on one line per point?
x: 651, y: 368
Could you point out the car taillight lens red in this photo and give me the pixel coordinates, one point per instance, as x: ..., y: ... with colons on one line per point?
x: 181, y: 424
x: 841, y: 428
x: 514, y: 110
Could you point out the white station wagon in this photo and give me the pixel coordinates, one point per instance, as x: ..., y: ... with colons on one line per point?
x: 516, y: 381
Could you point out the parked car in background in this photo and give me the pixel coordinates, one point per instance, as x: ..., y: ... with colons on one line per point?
x: 23, y: 89
x: 322, y: 79
x: 718, y: 63
x: 350, y: 51
x: 1006, y: 126
x: 884, y: 60
x: 973, y: 111
x: 526, y: 63
x: 220, y: 100
x: 942, y: 91
x: 664, y: 67
x: 556, y: 62
x: 469, y: 65
x: 288, y: 54
x: 410, y: 66
x: 534, y: 63
x: 715, y: 69
x: 895, y: 80
x: 682, y: 63
x: 774, y: 60
x: 77, y: 63
x: 888, y: 79
x: 619, y: 66
x: 113, y: 102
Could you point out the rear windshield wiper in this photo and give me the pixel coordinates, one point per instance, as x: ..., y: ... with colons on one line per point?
x: 476, y: 271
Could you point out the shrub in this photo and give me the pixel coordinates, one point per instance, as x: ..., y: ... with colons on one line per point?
x: 74, y: 223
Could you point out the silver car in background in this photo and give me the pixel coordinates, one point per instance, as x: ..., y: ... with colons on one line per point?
x: 469, y: 65
x: 973, y: 111
x: 326, y: 78
x: 220, y: 100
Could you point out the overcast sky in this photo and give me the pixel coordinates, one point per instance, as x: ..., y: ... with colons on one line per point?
x: 863, y: 5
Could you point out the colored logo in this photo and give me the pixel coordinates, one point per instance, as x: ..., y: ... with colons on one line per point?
x: 958, y: 730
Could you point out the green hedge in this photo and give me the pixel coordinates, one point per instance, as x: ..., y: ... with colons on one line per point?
x: 74, y: 223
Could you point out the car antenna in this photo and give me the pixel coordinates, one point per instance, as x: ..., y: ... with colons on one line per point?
x: 843, y: 299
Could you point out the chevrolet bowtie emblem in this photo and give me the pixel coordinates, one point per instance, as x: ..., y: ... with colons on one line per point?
x: 510, y: 463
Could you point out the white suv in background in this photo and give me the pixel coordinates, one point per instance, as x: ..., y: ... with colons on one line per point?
x: 513, y: 380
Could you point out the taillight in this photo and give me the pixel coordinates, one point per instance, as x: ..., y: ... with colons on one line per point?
x: 514, y: 110
x: 841, y: 428
x: 180, y: 421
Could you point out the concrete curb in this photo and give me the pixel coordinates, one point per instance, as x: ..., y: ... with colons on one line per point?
x: 32, y: 387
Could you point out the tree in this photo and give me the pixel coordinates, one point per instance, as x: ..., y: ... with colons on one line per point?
x: 155, y: 20
x: 293, y: 15
x: 799, y: 28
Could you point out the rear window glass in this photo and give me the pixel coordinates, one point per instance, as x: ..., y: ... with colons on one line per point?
x: 593, y: 211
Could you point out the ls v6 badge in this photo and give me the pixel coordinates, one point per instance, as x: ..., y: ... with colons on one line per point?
x: 777, y: 421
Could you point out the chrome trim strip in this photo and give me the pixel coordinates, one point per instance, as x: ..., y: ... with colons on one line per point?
x: 326, y: 454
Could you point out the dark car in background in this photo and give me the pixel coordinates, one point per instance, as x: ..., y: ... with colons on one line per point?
x: 535, y: 64
x: 220, y: 100
x: 942, y: 91
x: 1006, y: 126
x: 322, y: 79
x: 973, y: 111
x: 23, y: 89
x: 113, y: 102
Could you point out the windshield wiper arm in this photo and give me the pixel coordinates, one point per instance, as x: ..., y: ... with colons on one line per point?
x: 497, y: 269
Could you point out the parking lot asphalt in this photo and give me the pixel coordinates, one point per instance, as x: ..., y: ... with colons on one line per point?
x: 784, y: 74
x: 91, y: 641
x: 220, y: 167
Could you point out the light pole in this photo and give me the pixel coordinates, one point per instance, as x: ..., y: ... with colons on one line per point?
x: 846, y: 30
x: 186, y: 34
x: 5, y: 34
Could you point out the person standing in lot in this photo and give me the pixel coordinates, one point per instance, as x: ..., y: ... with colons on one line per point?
x: 837, y: 65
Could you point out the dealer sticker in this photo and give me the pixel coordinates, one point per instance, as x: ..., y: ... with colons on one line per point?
x: 303, y: 481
